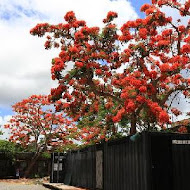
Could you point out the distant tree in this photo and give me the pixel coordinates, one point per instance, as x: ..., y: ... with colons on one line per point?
x: 36, y: 126
x: 136, y: 70
x: 7, y: 147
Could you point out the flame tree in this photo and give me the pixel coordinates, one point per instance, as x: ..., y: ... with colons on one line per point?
x: 36, y: 125
x: 134, y: 72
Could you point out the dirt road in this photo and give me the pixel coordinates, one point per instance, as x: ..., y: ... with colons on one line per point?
x: 20, y: 185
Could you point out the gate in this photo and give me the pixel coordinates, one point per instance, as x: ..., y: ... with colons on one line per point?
x: 57, y: 171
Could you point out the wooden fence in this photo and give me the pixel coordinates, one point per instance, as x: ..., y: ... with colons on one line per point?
x: 154, y: 161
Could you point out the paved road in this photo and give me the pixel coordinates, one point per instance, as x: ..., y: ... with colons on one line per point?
x: 15, y: 186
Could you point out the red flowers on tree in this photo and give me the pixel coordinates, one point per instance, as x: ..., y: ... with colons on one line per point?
x: 35, y: 124
x: 139, y: 79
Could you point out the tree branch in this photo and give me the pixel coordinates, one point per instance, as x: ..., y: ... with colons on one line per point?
x: 179, y: 88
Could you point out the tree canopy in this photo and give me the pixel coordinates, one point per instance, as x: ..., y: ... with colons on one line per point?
x: 36, y: 125
x: 7, y: 147
x: 133, y: 72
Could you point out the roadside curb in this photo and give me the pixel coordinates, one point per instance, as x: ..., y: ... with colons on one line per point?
x: 60, y: 186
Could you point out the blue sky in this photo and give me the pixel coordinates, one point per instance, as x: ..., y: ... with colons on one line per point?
x: 18, y: 11
x: 137, y: 4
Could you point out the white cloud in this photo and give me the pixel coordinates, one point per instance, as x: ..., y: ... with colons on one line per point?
x: 4, y: 120
x: 170, y: 12
x: 25, y: 64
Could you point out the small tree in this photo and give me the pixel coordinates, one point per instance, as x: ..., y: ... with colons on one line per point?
x: 135, y: 70
x: 37, y: 126
x: 9, y: 148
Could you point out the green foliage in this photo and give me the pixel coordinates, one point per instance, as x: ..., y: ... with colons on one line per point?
x: 100, y: 120
x: 46, y: 155
x: 8, y: 148
x: 73, y: 72
x: 93, y: 119
x: 66, y: 148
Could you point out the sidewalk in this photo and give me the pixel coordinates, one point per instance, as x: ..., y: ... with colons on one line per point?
x: 60, y: 186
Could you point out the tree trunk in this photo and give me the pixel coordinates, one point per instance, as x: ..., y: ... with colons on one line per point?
x: 31, y: 164
x: 114, y: 130
x: 133, y: 129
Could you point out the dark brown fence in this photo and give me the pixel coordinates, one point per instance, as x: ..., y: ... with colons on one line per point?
x: 154, y: 161
x: 125, y: 165
x: 7, y: 169
x: 20, y: 161
x: 40, y: 169
x: 80, y: 167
